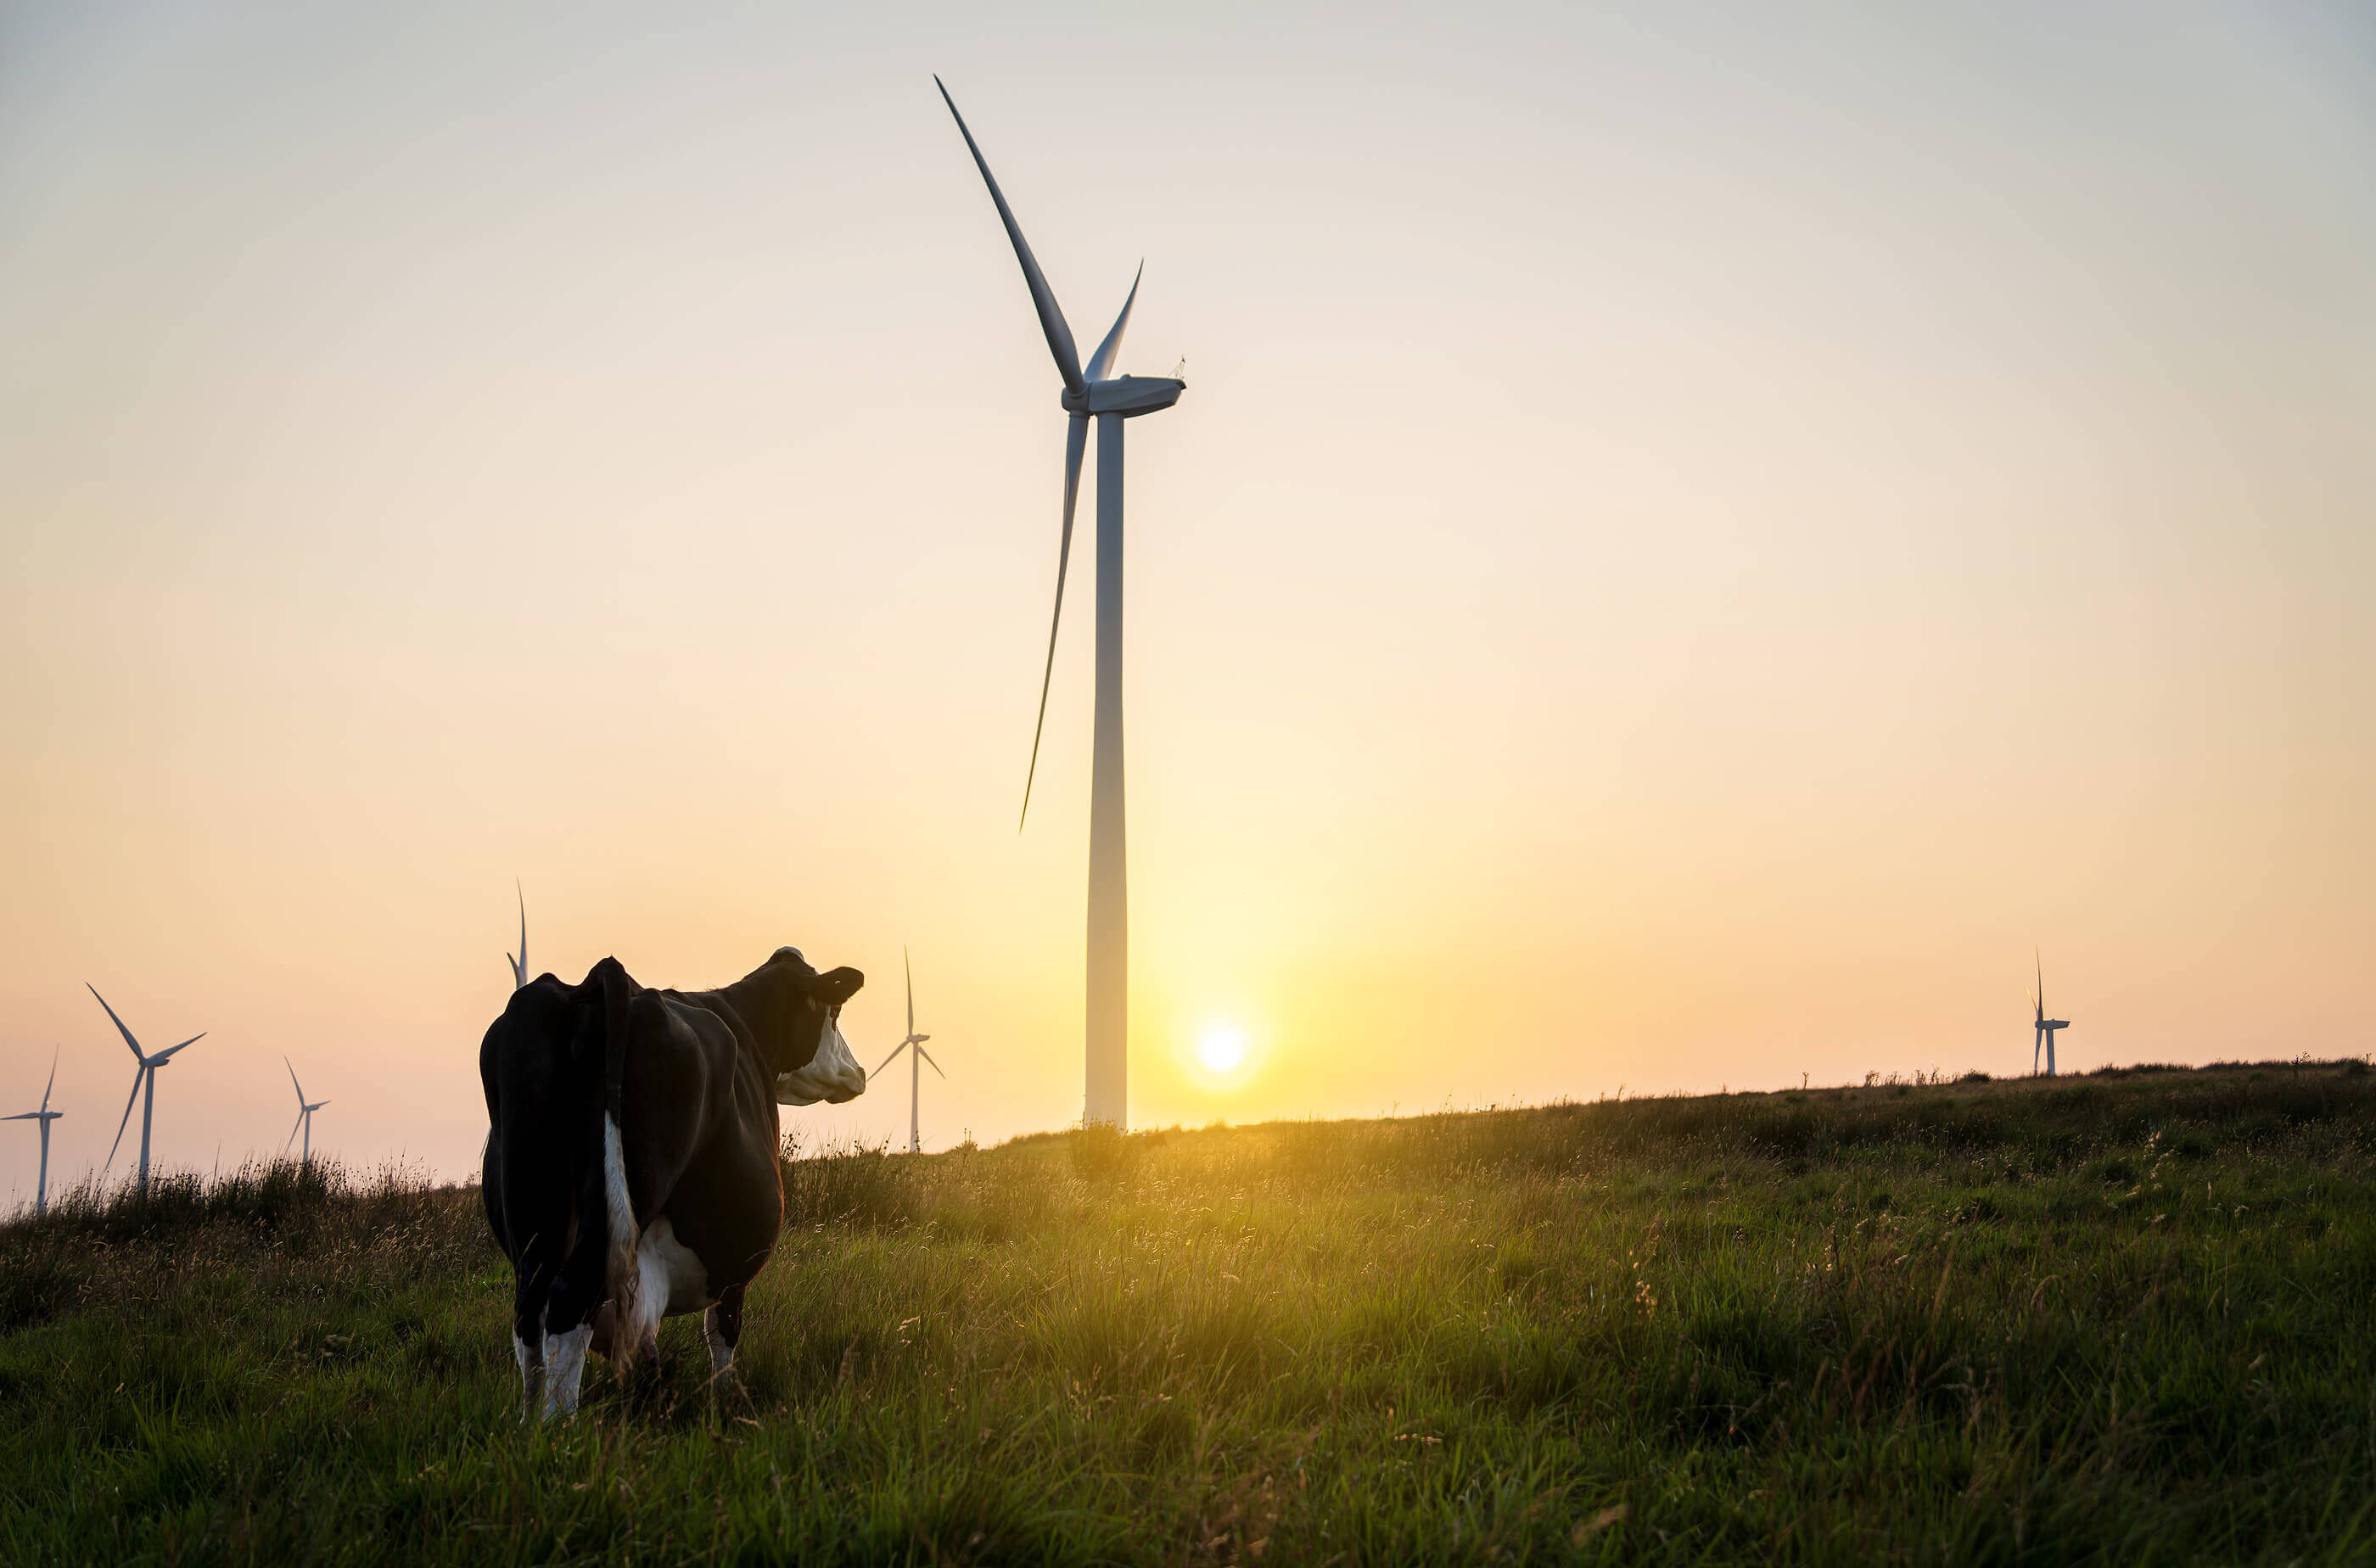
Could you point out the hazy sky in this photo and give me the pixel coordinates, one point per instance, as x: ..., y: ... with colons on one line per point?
x: 1696, y: 539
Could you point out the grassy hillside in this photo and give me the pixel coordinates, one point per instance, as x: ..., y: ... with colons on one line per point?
x: 2126, y: 1318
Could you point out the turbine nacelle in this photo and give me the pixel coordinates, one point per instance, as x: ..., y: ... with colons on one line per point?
x: 1129, y: 395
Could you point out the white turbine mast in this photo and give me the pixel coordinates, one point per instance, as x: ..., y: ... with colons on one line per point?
x: 44, y: 1116
x: 304, y: 1115
x: 143, y: 1078
x: 519, y: 965
x: 2043, y: 1039
x: 1094, y: 391
x: 917, y: 1054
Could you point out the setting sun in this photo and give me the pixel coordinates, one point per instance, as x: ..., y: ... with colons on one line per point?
x: 1221, y: 1048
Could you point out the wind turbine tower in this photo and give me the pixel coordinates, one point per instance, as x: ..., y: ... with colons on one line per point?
x: 1093, y: 391
x: 143, y: 1078
x: 2047, y: 1028
x: 45, y: 1116
x: 305, y: 1113
x: 917, y: 1055
x: 519, y: 965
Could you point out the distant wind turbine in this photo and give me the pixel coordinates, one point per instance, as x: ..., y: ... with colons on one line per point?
x: 2046, y: 1029
x: 304, y: 1114
x: 45, y: 1116
x: 914, y: 1046
x: 519, y: 965
x: 144, y: 1076
x: 1094, y: 390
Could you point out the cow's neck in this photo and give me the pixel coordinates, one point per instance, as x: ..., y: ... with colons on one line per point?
x: 772, y: 1004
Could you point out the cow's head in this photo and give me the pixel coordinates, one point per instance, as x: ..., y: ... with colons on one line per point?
x: 812, y: 1060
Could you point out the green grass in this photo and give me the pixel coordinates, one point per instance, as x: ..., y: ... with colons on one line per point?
x: 2123, y: 1318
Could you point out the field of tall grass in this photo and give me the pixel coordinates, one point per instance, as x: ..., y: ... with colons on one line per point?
x: 2121, y: 1318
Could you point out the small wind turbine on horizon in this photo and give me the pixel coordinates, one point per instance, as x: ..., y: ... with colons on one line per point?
x: 914, y: 1046
x: 519, y: 965
x: 2046, y: 1028
x: 45, y: 1116
x: 1092, y: 391
x: 143, y: 1077
x: 304, y: 1114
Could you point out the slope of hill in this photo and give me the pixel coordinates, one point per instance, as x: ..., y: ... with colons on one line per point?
x: 2124, y: 1317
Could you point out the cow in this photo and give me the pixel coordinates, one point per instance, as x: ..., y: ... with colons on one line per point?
x: 630, y: 1169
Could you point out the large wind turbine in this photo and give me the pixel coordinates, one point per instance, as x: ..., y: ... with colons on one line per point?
x: 914, y: 1046
x: 305, y: 1113
x: 2046, y: 1027
x: 1093, y: 391
x: 144, y: 1076
x: 519, y: 965
x: 45, y: 1116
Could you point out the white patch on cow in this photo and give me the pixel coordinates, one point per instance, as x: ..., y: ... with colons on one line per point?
x: 833, y: 1074
x: 673, y: 1280
x: 722, y: 1354
x: 531, y: 1371
x: 564, y: 1357
x: 619, y: 1272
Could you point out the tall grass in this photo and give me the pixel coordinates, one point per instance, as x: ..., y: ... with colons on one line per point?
x: 2124, y: 1317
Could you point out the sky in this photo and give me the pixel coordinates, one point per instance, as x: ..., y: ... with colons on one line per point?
x: 1702, y: 541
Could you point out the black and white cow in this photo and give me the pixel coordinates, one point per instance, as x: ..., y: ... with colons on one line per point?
x: 631, y: 1152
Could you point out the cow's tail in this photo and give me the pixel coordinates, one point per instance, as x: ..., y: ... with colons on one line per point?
x: 620, y: 1270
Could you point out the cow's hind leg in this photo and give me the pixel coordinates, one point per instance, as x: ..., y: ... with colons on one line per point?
x: 569, y: 1311
x: 565, y: 1354
x: 531, y: 1286
x: 722, y: 1326
x: 529, y: 1353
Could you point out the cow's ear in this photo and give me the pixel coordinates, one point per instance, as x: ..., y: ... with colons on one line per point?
x: 838, y: 986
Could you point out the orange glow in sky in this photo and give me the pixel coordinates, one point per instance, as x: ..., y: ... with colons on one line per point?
x: 1693, y: 546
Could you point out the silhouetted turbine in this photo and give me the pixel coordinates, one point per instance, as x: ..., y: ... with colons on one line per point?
x: 144, y: 1076
x: 44, y: 1116
x: 2047, y: 1028
x: 519, y: 965
x: 1093, y: 391
x: 304, y: 1114
x: 914, y: 1046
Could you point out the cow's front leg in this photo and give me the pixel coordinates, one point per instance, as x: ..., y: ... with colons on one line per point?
x: 722, y: 1325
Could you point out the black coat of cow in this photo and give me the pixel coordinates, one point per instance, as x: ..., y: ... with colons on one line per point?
x: 631, y: 1151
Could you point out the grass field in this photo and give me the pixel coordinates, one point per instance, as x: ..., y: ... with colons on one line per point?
x: 2121, y: 1318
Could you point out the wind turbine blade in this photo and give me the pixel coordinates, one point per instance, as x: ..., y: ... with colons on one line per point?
x: 54, y: 1078
x: 1043, y: 299
x: 119, y: 1023
x: 1077, y: 442
x: 890, y: 1059
x: 1101, y: 364
x: 928, y: 1057
x: 23, y: 1116
x: 185, y: 1045
x: 292, y: 1133
x: 292, y: 1079
x: 910, y: 968
x: 127, y: 1113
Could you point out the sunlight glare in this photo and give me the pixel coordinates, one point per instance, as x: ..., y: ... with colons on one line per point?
x: 1222, y: 1048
